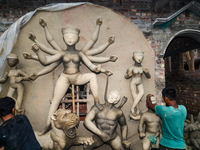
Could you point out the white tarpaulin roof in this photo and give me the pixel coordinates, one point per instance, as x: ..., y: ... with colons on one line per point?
x: 9, y: 38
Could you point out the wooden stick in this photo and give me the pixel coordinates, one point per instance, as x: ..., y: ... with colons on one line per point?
x: 73, y: 100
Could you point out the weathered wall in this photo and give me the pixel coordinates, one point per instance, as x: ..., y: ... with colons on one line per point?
x: 186, y: 83
x: 128, y: 38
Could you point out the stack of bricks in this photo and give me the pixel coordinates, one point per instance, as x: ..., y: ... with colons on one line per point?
x: 141, y: 12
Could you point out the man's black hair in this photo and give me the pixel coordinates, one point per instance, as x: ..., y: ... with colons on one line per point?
x: 170, y: 93
x: 6, y: 105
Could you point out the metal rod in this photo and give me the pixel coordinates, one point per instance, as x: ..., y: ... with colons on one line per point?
x: 77, y: 101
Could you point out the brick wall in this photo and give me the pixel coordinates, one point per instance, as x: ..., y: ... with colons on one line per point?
x: 139, y: 11
x: 186, y: 83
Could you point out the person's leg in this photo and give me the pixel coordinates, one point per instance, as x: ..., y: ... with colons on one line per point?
x: 156, y: 146
x: 133, y: 88
x: 92, y: 79
x: 10, y: 92
x: 61, y: 87
x: 20, y: 94
x: 146, y: 143
x: 116, y: 144
x: 162, y: 147
x: 167, y: 148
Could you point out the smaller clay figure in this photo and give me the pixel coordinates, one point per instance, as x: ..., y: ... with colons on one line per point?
x: 63, y: 133
x: 151, y: 133
x: 136, y: 71
x: 193, y: 132
x: 106, y: 123
x: 16, y: 76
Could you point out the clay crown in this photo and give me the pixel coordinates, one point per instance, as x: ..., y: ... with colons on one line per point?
x: 71, y: 29
x: 11, y: 55
x: 138, y: 52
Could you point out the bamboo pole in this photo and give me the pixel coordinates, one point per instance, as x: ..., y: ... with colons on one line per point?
x: 73, y: 100
x: 77, y: 98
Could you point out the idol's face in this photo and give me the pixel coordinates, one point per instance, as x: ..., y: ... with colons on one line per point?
x: 12, y: 61
x: 138, y: 58
x: 113, y: 97
x: 71, y: 38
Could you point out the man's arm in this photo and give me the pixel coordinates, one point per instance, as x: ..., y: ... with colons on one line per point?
x: 124, y: 131
x: 149, y: 103
x: 94, y: 37
x: 89, y: 64
x: 141, y: 125
x: 92, y: 127
x: 4, y: 78
x: 124, y: 127
x: 129, y: 72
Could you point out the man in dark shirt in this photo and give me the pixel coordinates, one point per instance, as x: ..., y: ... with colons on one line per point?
x: 16, y: 132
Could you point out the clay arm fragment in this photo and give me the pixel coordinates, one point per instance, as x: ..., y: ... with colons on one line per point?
x: 191, y: 127
x: 107, y: 72
x: 129, y: 73
x: 24, y: 76
x: 42, y: 58
x: 89, y: 64
x: 48, y: 35
x: 94, y: 59
x: 30, y: 56
x: 101, y: 48
x: 46, y: 70
x: 94, y: 36
x: 146, y: 72
x: 124, y: 131
x: 140, y: 127
x: 92, y: 127
x: 82, y: 140
x: 43, y: 47
x: 4, y: 79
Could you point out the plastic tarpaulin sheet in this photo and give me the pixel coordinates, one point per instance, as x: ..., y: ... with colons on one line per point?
x: 9, y: 38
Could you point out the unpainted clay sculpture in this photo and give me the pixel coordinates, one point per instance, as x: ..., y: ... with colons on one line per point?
x: 193, y: 132
x: 16, y: 76
x: 71, y: 59
x: 106, y: 121
x: 137, y: 89
x: 149, y: 129
x: 63, y: 133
